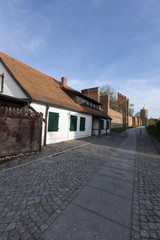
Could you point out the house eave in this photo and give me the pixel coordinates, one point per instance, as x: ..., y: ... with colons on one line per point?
x: 11, y: 74
x: 65, y: 108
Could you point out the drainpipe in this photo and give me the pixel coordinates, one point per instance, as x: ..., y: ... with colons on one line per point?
x: 45, y: 127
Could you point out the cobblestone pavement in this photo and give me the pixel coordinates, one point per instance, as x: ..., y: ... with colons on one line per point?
x: 146, y: 196
x: 33, y: 195
x: 51, y: 149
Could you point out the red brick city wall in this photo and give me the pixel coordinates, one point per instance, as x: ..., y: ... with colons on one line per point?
x: 20, y: 131
x: 117, y: 118
x: 136, y: 121
x: 105, y: 100
x: 130, y: 121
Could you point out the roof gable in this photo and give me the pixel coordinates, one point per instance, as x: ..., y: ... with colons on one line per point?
x: 37, y: 85
x: 42, y: 88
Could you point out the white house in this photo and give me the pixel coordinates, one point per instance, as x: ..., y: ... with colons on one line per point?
x: 67, y: 113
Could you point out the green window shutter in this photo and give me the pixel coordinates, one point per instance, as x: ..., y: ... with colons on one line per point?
x: 82, y: 124
x: 102, y: 124
x: 73, y: 123
x: 53, y: 122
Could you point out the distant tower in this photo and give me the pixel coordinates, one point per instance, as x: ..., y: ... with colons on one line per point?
x: 144, y: 116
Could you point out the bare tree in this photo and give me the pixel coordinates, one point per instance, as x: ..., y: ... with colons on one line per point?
x: 107, y: 90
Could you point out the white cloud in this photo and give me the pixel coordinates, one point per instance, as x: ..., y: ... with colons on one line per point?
x: 34, y: 44
x: 21, y: 30
x: 140, y: 92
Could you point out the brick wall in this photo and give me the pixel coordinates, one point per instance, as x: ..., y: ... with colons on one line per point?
x: 20, y: 131
x: 105, y: 100
x: 117, y: 118
x: 136, y: 121
x: 130, y: 121
x: 93, y: 93
x: 120, y: 118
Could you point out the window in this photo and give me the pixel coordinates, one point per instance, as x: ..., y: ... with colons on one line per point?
x: 87, y: 102
x: 83, y: 101
x: 82, y: 124
x: 53, y: 122
x: 73, y: 123
x: 97, y: 107
x: 1, y: 83
x: 102, y: 124
x: 79, y: 99
x: 91, y: 104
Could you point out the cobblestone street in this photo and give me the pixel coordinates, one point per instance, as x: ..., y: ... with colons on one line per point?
x: 38, y: 192
x: 146, y: 197
x: 33, y: 194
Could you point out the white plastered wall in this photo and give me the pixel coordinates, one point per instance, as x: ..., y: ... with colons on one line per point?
x: 64, y: 133
x: 95, y: 126
x: 103, y: 131
x: 40, y: 108
x: 109, y: 130
x: 11, y: 88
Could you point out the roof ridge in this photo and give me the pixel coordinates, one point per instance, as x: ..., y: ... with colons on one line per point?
x: 27, y: 65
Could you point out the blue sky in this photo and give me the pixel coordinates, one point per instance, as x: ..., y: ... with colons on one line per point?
x: 90, y: 42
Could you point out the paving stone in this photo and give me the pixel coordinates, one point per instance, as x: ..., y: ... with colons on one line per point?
x: 11, y: 226
x: 33, y: 195
x: 146, y: 180
x: 44, y: 227
x: 4, y: 236
x: 38, y: 192
x: 153, y: 234
x: 144, y: 233
x: 152, y: 226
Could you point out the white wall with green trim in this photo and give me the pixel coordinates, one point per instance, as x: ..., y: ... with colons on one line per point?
x: 64, y: 133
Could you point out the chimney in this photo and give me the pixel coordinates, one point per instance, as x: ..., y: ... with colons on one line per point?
x: 105, y: 100
x: 93, y: 93
x: 63, y: 81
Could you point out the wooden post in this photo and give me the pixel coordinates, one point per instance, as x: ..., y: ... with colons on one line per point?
x: 99, y: 131
x: 45, y: 128
x: 92, y: 126
x: 40, y: 126
x: 106, y: 126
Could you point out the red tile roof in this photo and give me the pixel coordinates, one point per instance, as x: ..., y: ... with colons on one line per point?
x: 60, y: 84
x: 94, y: 112
x: 38, y: 85
x: 41, y: 87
